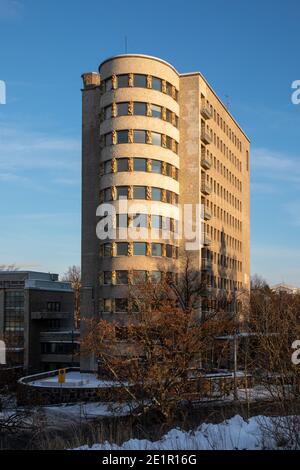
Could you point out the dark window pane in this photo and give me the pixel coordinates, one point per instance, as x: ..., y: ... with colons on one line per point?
x: 156, y: 249
x: 139, y: 277
x: 169, y: 89
x: 140, y: 164
x: 122, y: 249
x: 139, y: 192
x: 121, y: 305
x: 108, y: 139
x: 122, y: 164
x: 140, y: 80
x: 156, y: 166
x: 156, y: 138
x: 139, y: 137
x: 140, y: 109
x: 122, y: 192
x: 108, y: 84
x: 122, y: 137
x: 107, y: 194
x: 122, y: 277
x: 169, y: 251
x: 122, y: 81
x: 108, y: 112
x: 107, y: 277
x: 107, y: 167
x: 107, y: 249
x: 169, y: 197
x: 169, y: 115
x: 122, y: 109
x: 156, y: 276
x: 156, y: 194
x: 139, y: 249
x: 156, y: 83
x: 169, y: 142
x: 169, y: 169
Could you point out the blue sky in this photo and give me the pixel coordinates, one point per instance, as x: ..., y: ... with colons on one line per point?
x: 247, y: 50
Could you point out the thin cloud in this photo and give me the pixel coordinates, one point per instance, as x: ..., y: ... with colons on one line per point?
x: 11, y: 9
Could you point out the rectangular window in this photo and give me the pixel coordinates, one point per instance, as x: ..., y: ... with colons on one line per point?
x: 169, y: 89
x: 140, y: 220
x: 139, y: 192
x: 156, y: 111
x: 156, y: 166
x: 156, y: 276
x: 108, y: 84
x: 122, y: 249
x: 122, y: 277
x: 169, y: 197
x: 169, y: 143
x: 156, y: 194
x: 122, y: 220
x: 156, y: 138
x: 156, y: 249
x: 140, y: 80
x: 139, y: 164
x: 107, y: 194
x: 108, y: 139
x: 156, y: 221
x: 123, y: 81
x: 156, y: 83
x: 122, y: 192
x: 108, y: 112
x: 107, y: 249
x: 139, y: 137
x: 139, y: 249
x: 140, y: 109
x: 138, y: 277
x: 169, y: 115
x: 107, y: 167
x: 122, y: 109
x: 169, y: 169
x: 107, y: 278
x: 122, y: 137
x: 122, y: 164
x: 121, y: 305
x: 107, y: 305
x: 169, y: 251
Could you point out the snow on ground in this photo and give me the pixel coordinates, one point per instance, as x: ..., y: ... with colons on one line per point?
x: 79, y: 411
x: 232, y: 434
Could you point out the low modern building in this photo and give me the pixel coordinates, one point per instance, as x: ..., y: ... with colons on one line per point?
x: 36, y: 321
x: 287, y: 288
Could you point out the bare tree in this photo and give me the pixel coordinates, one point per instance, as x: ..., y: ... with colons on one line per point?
x: 73, y: 275
x: 156, y: 353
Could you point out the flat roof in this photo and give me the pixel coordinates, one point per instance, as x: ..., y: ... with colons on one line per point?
x: 145, y: 56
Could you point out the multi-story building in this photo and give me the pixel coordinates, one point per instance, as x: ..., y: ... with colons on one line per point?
x: 36, y: 321
x: 163, y: 139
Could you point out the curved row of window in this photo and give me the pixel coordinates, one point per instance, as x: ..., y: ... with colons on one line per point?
x: 138, y: 249
x: 138, y: 80
x: 137, y: 136
x: 159, y: 222
x: 139, y: 108
x: 120, y: 164
x: 119, y: 278
x: 138, y: 192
